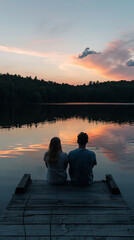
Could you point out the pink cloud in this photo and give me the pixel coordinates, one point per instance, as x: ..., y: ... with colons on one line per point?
x: 29, y: 52
x: 112, y: 61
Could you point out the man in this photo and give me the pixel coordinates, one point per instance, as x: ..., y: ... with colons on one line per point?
x: 81, y: 162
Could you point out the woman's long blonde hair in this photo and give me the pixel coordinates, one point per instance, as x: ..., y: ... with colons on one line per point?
x: 54, y: 150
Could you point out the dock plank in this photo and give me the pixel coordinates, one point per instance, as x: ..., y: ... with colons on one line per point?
x: 11, y: 213
x: 69, y: 219
x: 67, y: 213
x: 67, y: 238
x: 69, y: 230
x: 22, y: 186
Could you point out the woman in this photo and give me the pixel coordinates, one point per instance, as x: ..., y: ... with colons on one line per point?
x: 56, y: 162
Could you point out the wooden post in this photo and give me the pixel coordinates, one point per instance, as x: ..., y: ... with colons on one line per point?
x: 112, y: 184
x: 22, y: 186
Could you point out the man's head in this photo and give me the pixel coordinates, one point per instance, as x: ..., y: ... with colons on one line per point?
x: 82, y: 139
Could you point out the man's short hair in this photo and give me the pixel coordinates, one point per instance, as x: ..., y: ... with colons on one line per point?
x: 82, y: 138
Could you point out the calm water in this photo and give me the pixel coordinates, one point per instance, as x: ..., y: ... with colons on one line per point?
x: 25, y: 132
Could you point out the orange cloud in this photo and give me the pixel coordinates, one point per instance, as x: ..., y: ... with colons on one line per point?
x: 28, y: 52
x: 111, y: 62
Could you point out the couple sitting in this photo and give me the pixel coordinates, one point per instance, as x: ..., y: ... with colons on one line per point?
x: 81, y: 161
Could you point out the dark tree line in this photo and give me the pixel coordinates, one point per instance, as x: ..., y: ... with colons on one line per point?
x: 14, y: 88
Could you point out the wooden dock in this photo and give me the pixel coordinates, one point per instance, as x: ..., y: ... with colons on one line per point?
x: 39, y: 211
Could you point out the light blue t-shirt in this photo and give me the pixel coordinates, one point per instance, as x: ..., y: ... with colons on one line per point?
x: 56, y: 174
x: 81, y: 162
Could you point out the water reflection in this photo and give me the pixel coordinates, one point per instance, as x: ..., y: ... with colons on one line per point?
x: 26, y: 131
x: 115, y: 141
x: 20, y: 115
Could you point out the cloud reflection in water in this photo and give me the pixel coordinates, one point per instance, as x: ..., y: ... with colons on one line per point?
x: 114, y: 141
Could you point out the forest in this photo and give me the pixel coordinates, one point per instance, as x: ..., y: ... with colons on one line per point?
x: 15, y: 88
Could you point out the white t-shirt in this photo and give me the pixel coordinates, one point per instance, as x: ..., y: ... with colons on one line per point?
x: 56, y: 173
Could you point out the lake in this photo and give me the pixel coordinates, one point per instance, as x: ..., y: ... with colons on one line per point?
x: 25, y: 132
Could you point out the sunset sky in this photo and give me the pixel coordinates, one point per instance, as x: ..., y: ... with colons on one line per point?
x: 72, y: 41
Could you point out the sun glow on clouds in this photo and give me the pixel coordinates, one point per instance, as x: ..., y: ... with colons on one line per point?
x: 51, y: 55
x: 114, y: 62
